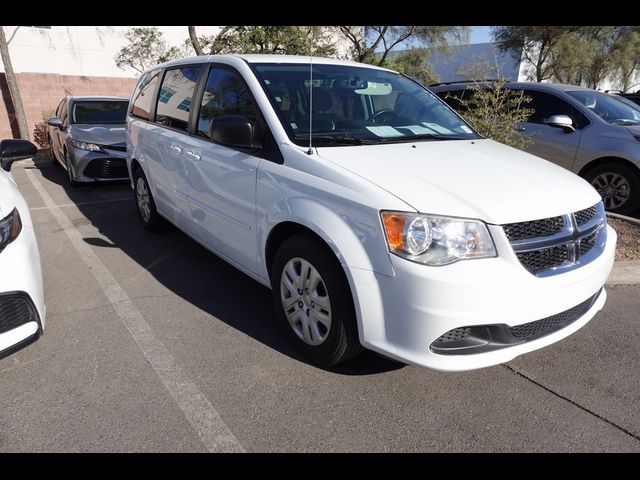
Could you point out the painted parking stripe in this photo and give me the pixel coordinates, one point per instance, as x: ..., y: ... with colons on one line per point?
x: 196, y: 407
x: 82, y: 204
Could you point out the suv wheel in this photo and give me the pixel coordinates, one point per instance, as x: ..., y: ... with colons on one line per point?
x: 618, y: 185
x: 313, y: 301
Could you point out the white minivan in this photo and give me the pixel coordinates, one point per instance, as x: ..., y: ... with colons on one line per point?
x: 378, y: 217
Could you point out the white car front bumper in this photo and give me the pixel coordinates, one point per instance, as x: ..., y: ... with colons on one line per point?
x: 402, y: 316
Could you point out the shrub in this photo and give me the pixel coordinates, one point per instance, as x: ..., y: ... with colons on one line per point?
x: 41, y: 135
x: 40, y: 131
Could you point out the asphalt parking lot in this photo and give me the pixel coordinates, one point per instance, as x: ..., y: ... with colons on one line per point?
x: 154, y: 344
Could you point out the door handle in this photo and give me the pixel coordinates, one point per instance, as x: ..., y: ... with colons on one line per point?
x: 192, y: 156
x: 175, y: 148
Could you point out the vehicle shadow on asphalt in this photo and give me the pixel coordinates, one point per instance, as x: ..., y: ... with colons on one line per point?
x: 186, y: 268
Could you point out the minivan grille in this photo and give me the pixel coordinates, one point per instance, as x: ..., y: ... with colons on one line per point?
x: 553, y: 245
x: 538, y: 228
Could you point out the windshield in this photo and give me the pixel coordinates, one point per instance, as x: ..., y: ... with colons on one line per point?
x: 608, y: 107
x: 356, y: 105
x: 99, y: 112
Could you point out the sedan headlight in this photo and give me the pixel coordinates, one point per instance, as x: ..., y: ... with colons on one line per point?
x: 92, y: 147
x: 434, y: 240
x: 10, y: 228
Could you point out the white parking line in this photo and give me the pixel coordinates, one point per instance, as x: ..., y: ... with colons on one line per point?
x: 196, y: 407
x: 82, y: 204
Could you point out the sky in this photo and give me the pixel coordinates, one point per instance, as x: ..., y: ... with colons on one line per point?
x: 480, y: 35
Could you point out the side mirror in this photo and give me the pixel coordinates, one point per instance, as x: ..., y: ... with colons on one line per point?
x: 12, y: 150
x: 233, y: 131
x: 55, y: 122
x: 561, y: 121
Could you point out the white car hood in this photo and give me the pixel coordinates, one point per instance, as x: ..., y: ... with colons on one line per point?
x: 468, y: 178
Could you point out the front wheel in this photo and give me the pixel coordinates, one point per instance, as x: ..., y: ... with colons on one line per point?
x: 149, y: 216
x: 618, y: 185
x: 313, y: 301
x: 67, y: 163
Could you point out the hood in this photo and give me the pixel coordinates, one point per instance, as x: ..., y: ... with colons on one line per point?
x: 100, y: 134
x: 468, y: 178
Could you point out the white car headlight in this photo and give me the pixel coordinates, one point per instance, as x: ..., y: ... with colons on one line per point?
x: 10, y: 228
x: 435, y: 240
x: 92, y: 147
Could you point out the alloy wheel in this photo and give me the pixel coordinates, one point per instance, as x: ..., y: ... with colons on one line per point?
x: 613, y: 188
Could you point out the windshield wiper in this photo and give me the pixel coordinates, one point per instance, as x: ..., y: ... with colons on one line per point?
x: 336, y: 140
x: 423, y: 136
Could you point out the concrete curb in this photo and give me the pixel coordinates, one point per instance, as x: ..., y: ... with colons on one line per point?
x: 635, y: 221
x: 625, y: 272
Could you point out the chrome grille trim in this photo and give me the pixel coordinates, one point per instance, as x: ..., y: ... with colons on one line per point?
x: 583, y: 237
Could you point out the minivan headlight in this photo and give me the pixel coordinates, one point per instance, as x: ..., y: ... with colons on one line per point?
x: 91, y: 147
x: 10, y: 228
x: 435, y: 240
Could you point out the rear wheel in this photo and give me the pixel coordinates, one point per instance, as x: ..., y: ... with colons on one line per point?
x: 149, y: 216
x: 618, y: 185
x: 313, y: 301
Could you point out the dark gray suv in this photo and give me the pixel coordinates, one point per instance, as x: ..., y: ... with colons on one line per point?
x: 593, y: 134
x: 87, y: 136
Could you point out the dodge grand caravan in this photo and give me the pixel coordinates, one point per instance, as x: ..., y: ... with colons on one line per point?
x: 378, y: 217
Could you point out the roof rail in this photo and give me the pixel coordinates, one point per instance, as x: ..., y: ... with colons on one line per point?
x: 465, y: 81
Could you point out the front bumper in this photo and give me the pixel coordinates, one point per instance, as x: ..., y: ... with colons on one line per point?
x: 101, y: 166
x: 21, y: 279
x: 402, y: 316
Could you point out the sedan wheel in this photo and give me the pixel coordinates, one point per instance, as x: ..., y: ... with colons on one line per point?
x: 142, y: 195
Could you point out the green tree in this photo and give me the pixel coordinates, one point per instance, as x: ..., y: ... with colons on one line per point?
x: 146, y: 47
x: 533, y: 43
x: 278, y: 39
x: 413, y: 63
x: 373, y: 44
x: 625, y: 56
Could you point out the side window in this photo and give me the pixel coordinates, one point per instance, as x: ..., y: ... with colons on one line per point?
x: 545, y: 105
x: 142, y: 97
x: 224, y: 94
x: 176, y: 94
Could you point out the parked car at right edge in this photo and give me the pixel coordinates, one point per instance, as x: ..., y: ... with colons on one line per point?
x: 377, y: 216
x: 593, y: 134
x: 22, y: 308
x: 87, y: 137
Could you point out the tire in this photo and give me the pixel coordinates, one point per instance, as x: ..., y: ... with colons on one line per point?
x: 618, y: 178
x: 52, y: 155
x: 323, y: 346
x: 67, y: 162
x: 149, y: 216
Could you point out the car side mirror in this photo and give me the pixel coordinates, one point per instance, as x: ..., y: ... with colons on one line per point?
x: 55, y: 122
x: 233, y: 131
x: 12, y: 150
x: 561, y: 121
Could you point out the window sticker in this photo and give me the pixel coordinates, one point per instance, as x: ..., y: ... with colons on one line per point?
x: 294, y: 125
x: 437, y: 128
x: 417, y: 129
x: 278, y: 99
x: 384, y: 131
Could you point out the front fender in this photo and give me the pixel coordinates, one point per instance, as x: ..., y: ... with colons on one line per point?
x: 356, y: 243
